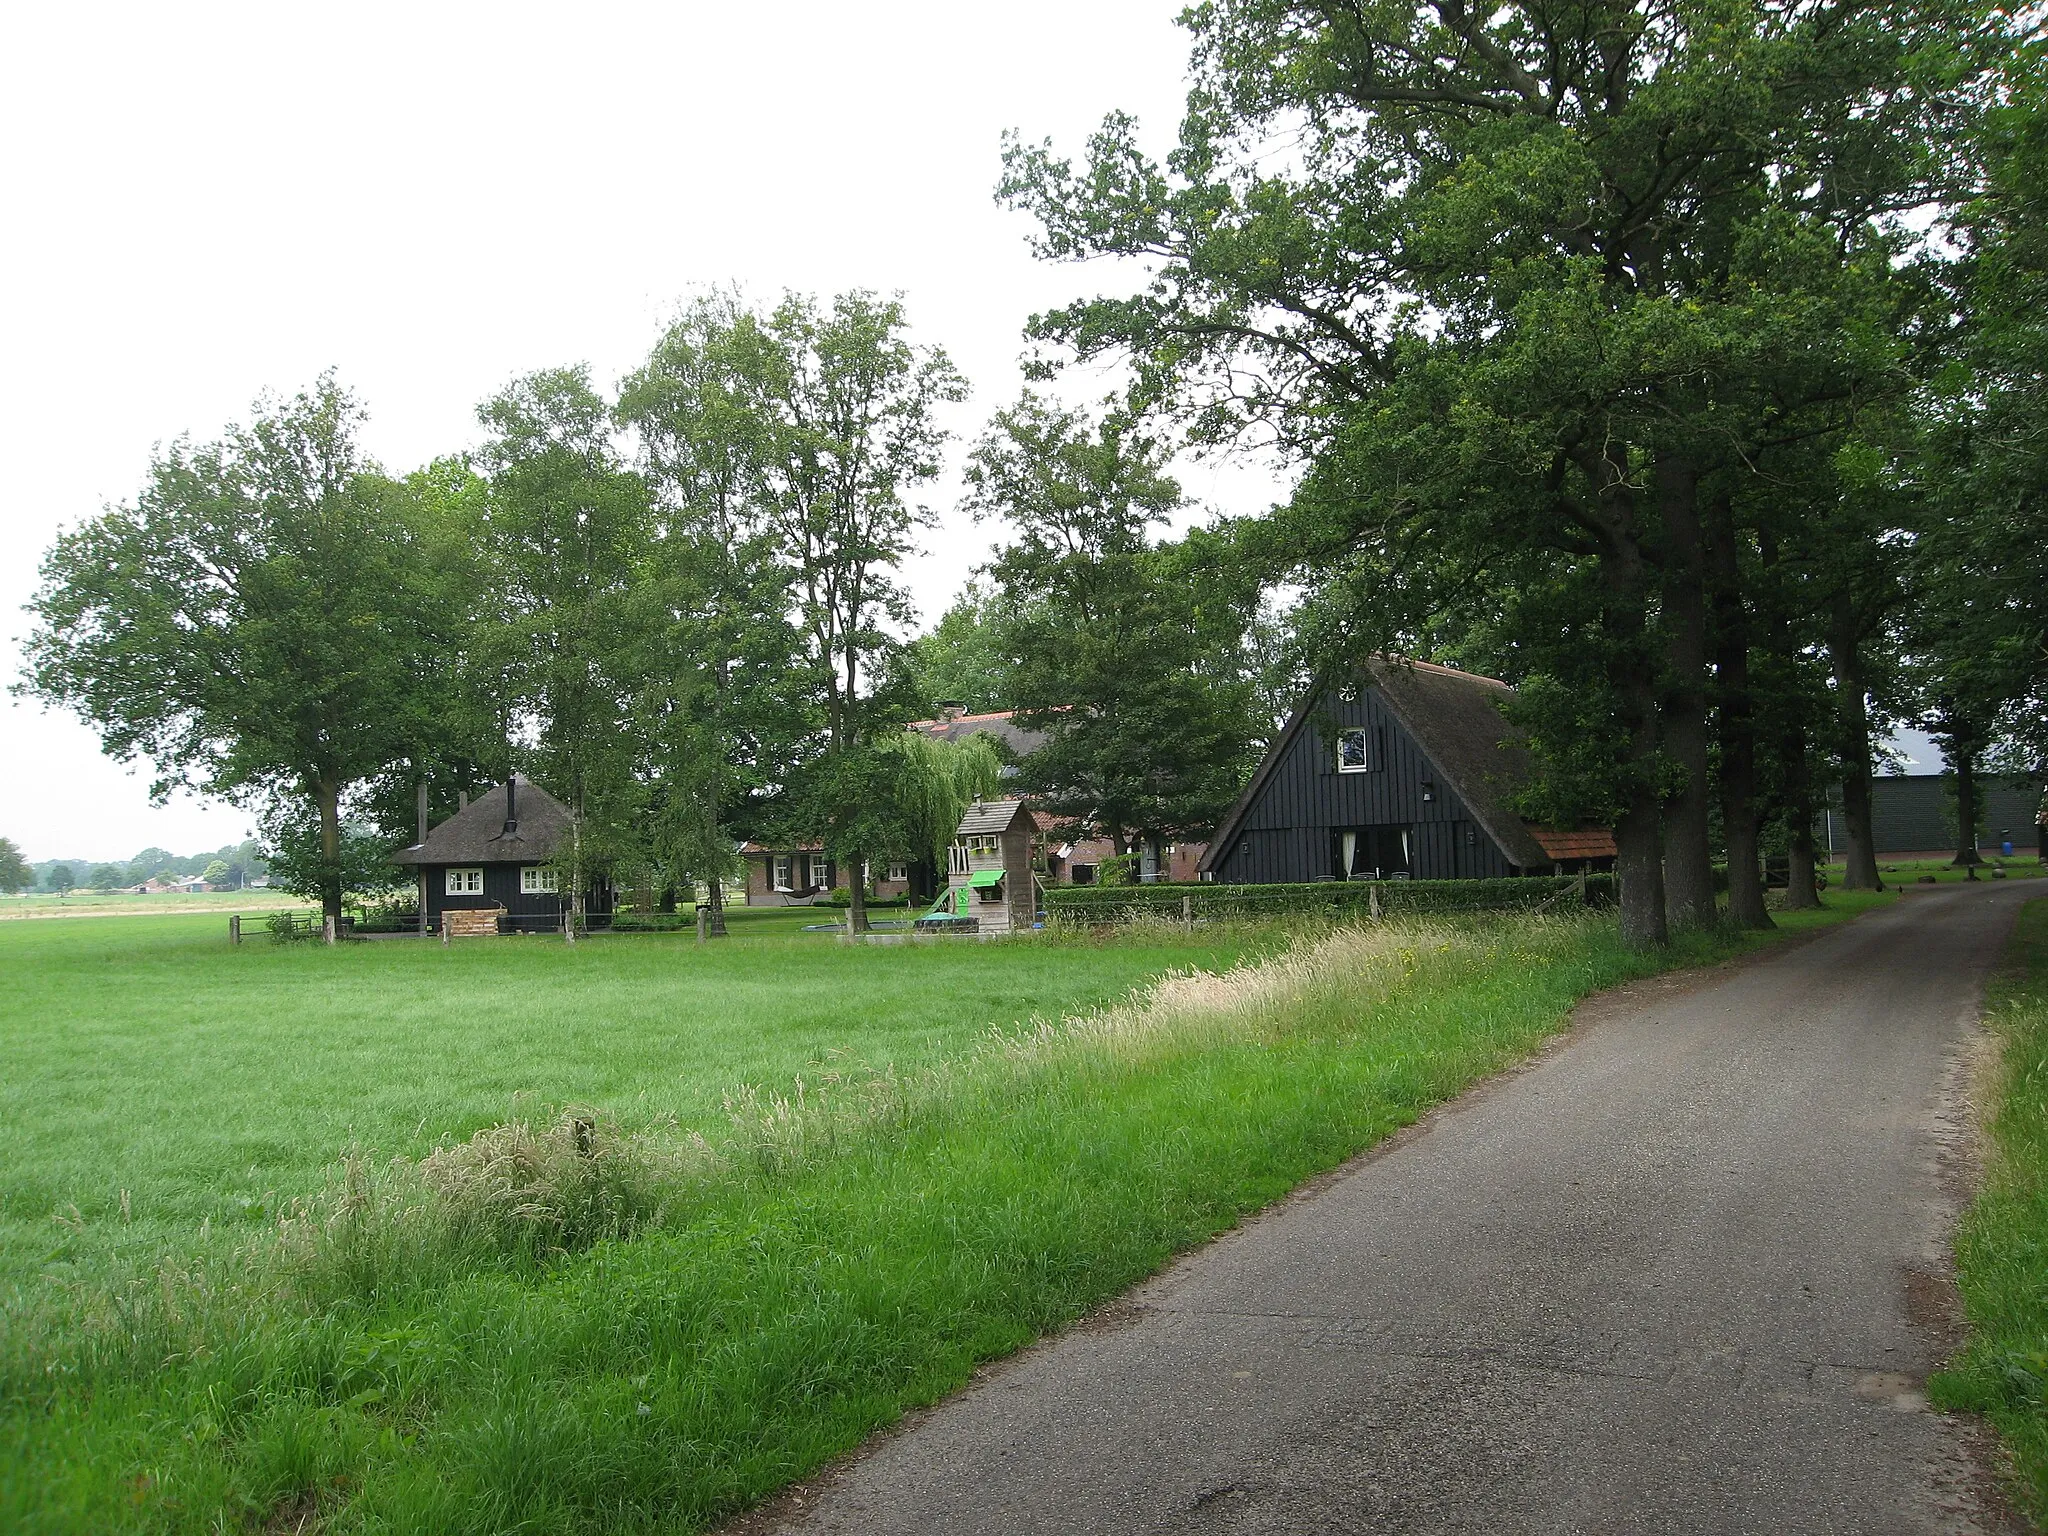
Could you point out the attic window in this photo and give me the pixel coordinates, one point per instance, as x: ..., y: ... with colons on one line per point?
x: 465, y: 882
x: 1351, y: 753
x: 536, y: 880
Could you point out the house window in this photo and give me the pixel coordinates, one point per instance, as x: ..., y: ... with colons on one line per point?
x: 1372, y: 853
x: 899, y: 871
x: 781, y: 878
x: 465, y: 882
x: 1351, y: 753
x: 536, y: 880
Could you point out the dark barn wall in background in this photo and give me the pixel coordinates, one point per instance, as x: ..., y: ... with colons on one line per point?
x: 1285, y: 836
x: 501, y: 889
x: 1916, y: 813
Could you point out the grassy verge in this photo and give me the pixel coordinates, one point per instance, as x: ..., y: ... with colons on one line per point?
x: 592, y: 1327
x: 2002, y: 1246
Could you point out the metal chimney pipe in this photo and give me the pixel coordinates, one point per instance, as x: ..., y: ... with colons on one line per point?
x: 423, y: 810
x: 511, y: 805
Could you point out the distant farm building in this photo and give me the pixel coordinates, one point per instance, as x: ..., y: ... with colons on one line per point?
x: 1399, y: 770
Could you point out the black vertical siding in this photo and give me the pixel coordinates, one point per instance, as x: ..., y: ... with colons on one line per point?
x: 1285, y: 834
x: 501, y: 889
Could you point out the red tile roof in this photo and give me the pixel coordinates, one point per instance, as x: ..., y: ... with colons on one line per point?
x: 1587, y: 843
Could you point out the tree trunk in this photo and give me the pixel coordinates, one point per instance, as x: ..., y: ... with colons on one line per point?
x: 1802, y: 891
x: 857, y: 895
x: 1688, y: 857
x: 328, y: 793
x: 1631, y: 671
x: 714, y: 907
x: 1967, y: 857
x: 1737, y: 711
x: 1845, y: 652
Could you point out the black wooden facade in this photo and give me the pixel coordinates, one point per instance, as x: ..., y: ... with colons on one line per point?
x: 1401, y: 771
x: 503, y: 832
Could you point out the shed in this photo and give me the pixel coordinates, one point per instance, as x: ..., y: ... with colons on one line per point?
x: 989, y: 875
x: 494, y: 857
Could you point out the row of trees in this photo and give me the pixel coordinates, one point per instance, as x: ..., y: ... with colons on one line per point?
x: 1680, y: 363
x: 231, y: 865
x: 680, y: 609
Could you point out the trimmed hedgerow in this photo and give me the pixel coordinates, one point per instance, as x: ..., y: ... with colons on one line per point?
x: 1110, y: 903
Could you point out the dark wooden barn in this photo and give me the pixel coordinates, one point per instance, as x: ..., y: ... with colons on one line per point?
x: 494, y: 855
x: 1402, y: 770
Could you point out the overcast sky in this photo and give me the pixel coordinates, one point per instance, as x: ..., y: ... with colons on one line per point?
x: 206, y: 201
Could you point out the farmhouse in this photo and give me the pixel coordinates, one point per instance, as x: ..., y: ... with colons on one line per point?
x: 800, y: 874
x: 490, y: 861
x: 1399, y: 770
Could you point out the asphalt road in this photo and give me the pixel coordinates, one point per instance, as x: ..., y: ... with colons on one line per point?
x: 1684, y: 1273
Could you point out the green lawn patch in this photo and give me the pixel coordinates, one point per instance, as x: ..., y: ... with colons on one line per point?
x: 2002, y: 1245
x: 658, y: 1309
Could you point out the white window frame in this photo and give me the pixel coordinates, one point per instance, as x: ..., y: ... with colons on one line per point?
x: 462, y: 882
x: 1364, y: 763
x: 898, y: 871
x: 778, y: 875
x: 536, y: 880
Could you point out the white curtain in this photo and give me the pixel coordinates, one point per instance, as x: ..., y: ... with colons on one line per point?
x: 1349, y: 843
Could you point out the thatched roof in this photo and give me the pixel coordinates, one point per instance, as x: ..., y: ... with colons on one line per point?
x: 1455, y: 717
x: 476, y: 834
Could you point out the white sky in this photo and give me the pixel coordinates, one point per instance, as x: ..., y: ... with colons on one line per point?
x: 206, y: 200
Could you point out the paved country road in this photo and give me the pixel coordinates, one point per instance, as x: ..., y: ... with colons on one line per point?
x: 1684, y: 1273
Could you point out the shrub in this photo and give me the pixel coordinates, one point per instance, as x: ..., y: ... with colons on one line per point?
x: 652, y: 922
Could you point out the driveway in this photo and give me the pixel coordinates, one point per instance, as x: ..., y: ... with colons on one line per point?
x: 1686, y: 1272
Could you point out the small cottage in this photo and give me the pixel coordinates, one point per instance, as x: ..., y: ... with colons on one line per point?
x: 1398, y: 770
x: 989, y: 875
x: 492, y: 863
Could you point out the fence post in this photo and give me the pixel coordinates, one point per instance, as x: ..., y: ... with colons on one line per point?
x: 1187, y: 912
x: 703, y: 922
x: 447, y: 926
x: 1372, y: 897
x: 327, y: 927
x: 235, y: 928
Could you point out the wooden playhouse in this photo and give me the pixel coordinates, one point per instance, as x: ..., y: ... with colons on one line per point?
x: 989, y: 875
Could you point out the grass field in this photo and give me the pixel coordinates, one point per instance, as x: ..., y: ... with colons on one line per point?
x: 708, y: 1296
x: 128, y: 904
x: 2002, y: 1247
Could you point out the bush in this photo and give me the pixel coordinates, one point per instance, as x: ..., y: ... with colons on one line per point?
x: 652, y: 922
x: 1114, y: 903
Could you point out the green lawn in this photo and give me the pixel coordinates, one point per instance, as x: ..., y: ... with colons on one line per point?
x: 146, y: 1060
x: 2002, y: 1246
x: 653, y: 1332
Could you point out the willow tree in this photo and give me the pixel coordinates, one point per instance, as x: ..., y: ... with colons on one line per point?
x: 256, y: 622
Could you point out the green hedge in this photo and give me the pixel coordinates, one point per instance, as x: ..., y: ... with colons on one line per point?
x: 1111, y: 903
x: 652, y: 922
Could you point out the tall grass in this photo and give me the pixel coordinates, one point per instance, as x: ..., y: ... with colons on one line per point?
x: 572, y: 1326
x: 2002, y: 1244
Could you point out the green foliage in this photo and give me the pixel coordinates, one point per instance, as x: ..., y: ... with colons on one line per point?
x: 961, y: 659
x: 1130, y: 657
x: 15, y: 875
x: 2002, y: 1244
x: 254, y: 622
x: 1329, y: 897
x: 359, y: 863
x: 60, y: 879
x: 107, y: 877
